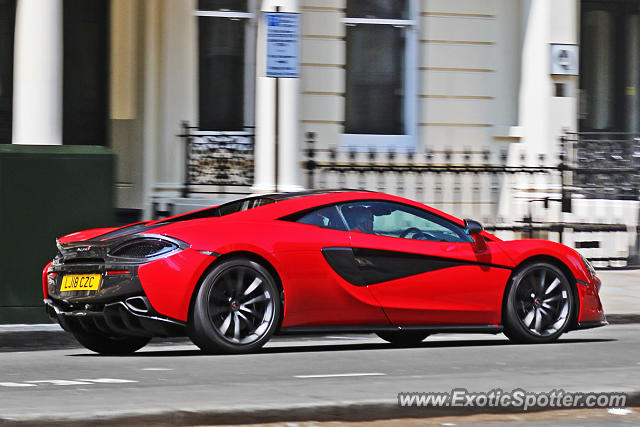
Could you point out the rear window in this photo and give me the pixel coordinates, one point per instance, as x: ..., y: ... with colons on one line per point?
x: 222, y: 210
x: 242, y: 205
x: 325, y: 217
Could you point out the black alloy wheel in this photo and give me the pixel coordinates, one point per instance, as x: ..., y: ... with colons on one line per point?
x: 237, y: 308
x: 539, y: 304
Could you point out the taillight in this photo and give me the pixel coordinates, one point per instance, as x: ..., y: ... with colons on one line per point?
x: 116, y: 272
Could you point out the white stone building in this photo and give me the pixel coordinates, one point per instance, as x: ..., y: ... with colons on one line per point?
x: 485, y: 79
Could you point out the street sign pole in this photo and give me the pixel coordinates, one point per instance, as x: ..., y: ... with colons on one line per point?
x: 277, y: 129
x: 283, y: 34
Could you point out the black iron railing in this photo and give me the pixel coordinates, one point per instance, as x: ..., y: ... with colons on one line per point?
x: 447, y: 177
x: 605, y: 165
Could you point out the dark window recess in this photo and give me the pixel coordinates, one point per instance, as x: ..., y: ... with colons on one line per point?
x: 221, y: 73
x: 587, y: 244
x: 378, y: 9
x: 223, y: 5
x: 86, y: 72
x: 560, y: 90
x: 610, y: 66
x: 7, y: 25
x: 325, y: 217
x: 375, y: 80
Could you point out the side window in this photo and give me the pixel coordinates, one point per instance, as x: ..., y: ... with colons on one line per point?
x: 402, y: 221
x: 326, y: 217
x: 242, y: 205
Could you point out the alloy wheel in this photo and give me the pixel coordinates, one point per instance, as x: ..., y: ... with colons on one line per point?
x: 240, y: 305
x: 542, y: 301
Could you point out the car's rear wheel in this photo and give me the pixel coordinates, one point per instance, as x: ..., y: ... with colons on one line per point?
x: 539, y: 304
x: 110, y: 345
x: 237, y: 308
x: 403, y: 338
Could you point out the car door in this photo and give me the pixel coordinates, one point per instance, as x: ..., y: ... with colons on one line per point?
x: 423, y: 268
x: 315, y: 295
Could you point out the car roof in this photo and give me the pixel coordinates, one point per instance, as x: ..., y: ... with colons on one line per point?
x: 276, y: 197
x: 290, y: 203
x: 279, y: 205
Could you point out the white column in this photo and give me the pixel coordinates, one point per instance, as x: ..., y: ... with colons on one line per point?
x: 264, y: 150
x: 288, y: 140
x: 37, y: 73
x: 535, y: 80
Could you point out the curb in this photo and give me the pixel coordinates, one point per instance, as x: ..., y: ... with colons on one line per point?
x: 623, y: 319
x: 322, y: 412
x: 52, y: 337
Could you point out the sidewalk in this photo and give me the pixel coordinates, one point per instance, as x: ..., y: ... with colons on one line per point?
x: 620, y: 292
x: 620, y: 295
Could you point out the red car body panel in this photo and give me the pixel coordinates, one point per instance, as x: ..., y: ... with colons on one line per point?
x: 314, y: 294
x: 170, y: 282
x: 590, y: 306
x: 469, y: 292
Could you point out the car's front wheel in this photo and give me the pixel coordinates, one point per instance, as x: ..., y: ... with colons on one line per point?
x: 539, y: 304
x: 237, y: 308
x: 110, y: 345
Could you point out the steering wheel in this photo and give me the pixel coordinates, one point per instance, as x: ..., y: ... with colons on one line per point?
x: 418, y: 234
x: 413, y: 230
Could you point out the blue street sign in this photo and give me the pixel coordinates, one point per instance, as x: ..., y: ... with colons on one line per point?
x: 283, y: 38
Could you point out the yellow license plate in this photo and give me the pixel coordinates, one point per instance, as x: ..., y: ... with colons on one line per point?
x: 80, y: 282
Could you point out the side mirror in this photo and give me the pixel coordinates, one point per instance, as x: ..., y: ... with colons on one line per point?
x: 472, y: 227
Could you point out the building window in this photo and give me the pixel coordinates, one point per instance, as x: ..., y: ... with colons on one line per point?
x: 609, y: 66
x: 226, y: 51
x: 85, y: 99
x: 380, y: 73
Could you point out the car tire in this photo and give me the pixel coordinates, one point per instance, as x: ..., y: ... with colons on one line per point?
x: 539, y: 304
x: 403, y: 338
x: 111, y: 346
x: 236, y: 310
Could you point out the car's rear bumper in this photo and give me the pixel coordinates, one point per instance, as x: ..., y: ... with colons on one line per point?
x: 119, y: 307
x: 129, y: 317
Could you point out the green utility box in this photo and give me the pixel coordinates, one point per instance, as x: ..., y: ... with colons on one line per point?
x: 45, y: 192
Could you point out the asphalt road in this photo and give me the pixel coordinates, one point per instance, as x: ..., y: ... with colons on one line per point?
x: 320, y: 374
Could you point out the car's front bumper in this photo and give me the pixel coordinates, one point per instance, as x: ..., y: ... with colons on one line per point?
x: 591, y: 313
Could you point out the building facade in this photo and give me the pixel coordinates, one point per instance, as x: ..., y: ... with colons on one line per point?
x: 449, y: 81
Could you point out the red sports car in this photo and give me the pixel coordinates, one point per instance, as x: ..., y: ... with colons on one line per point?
x: 231, y: 276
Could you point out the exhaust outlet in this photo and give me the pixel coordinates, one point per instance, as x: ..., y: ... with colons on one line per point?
x: 138, y: 304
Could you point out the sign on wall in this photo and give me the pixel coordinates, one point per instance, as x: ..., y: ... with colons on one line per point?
x: 564, y: 59
x: 283, y: 38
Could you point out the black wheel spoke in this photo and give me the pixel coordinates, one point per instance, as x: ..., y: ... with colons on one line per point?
x: 542, y: 301
x: 239, y: 283
x: 218, y: 310
x: 225, y: 324
x: 252, y: 287
x: 240, y: 305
